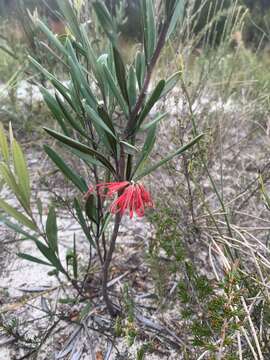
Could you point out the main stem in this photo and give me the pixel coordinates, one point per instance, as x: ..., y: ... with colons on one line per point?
x: 106, y: 266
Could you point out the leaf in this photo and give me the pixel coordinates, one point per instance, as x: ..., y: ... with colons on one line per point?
x: 176, y: 15
x: 91, y: 208
x: 149, y: 28
x: 51, y: 230
x: 55, y: 109
x: 17, y: 228
x: 170, y: 83
x: 78, y: 76
x: 82, y: 222
x: 49, y: 254
x: 132, y: 90
x: 21, y: 172
x: 51, y: 37
x: 69, y: 14
x: 10, y: 180
x: 115, y: 90
x: 120, y: 71
x: 140, y: 68
x: 106, y: 20
x: 21, y: 218
x: 168, y: 158
x: 154, y: 97
x: 81, y: 147
x: 33, y: 259
x: 146, y: 150
x: 97, y: 120
x: 66, y: 170
x: 4, y: 144
x: 155, y: 121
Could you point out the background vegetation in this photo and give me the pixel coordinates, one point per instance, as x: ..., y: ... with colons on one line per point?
x: 202, y: 275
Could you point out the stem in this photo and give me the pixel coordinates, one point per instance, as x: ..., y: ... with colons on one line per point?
x: 150, y: 69
x: 106, y: 266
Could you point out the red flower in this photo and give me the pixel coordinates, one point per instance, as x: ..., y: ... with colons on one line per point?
x: 134, y: 197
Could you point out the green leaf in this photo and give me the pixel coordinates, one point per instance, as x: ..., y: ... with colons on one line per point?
x: 55, y: 109
x: 81, y: 147
x: 154, y: 97
x: 97, y: 120
x: 51, y: 36
x: 115, y: 90
x: 91, y: 208
x: 149, y: 28
x: 82, y: 222
x: 17, y: 228
x: 21, y: 218
x: 176, y: 15
x: 33, y: 259
x: 146, y: 150
x: 120, y: 71
x: 140, y: 68
x: 49, y: 254
x: 3, y: 144
x: 106, y: 20
x: 79, y: 77
x: 132, y: 90
x: 155, y: 121
x: 66, y: 170
x: 10, y: 180
x: 70, y: 16
x: 170, y: 83
x: 168, y: 158
x: 21, y: 172
x: 51, y: 230
x: 68, y: 117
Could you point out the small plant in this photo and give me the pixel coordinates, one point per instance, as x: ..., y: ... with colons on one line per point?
x: 100, y: 111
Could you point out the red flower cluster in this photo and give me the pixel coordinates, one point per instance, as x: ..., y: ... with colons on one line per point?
x: 134, y: 197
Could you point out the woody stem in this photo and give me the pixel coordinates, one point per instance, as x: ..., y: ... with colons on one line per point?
x: 108, y: 258
x: 106, y: 266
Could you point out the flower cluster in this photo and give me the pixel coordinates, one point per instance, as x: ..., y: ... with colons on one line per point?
x: 131, y: 196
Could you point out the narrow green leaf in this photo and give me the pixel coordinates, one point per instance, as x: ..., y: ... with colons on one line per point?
x: 81, y: 147
x: 140, y: 68
x: 33, y: 259
x: 168, y: 158
x: 21, y: 218
x: 21, y: 171
x: 146, y: 150
x: 132, y: 89
x: 149, y: 28
x: 154, y: 97
x: 52, y: 230
x: 17, y: 228
x: 170, y: 83
x: 49, y: 254
x: 3, y: 144
x: 91, y: 208
x: 120, y: 71
x: 106, y: 20
x: 115, y: 90
x: 66, y: 170
x: 82, y: 222
x: 176, y: 16
x: 70, y: 16
x: 10, y: 180
x: 97, y: 120
x: 155, y: 121
x: 55, y: 109
x: 51, y: 37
